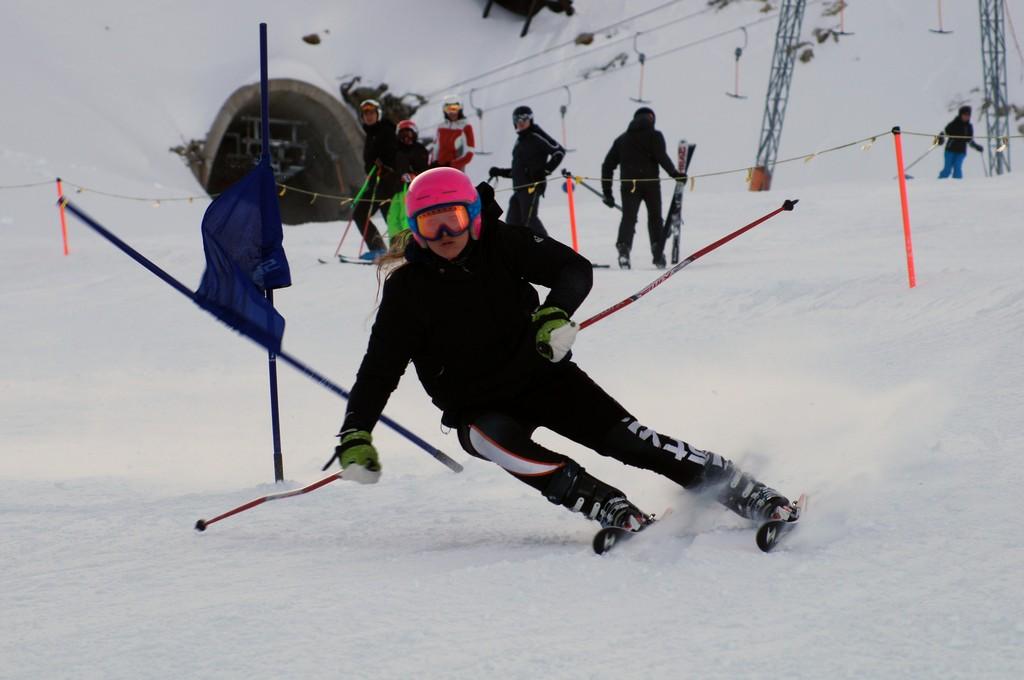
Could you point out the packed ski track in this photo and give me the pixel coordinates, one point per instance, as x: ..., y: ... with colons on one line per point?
x: 798, y: 350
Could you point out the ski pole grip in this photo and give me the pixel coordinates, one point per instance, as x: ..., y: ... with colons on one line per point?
x: 790, y: 203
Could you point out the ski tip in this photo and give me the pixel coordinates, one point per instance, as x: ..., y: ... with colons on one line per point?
x: 604, y: 540
x: 790, y: 203
x: 201, y: 525
x: 768, y: 535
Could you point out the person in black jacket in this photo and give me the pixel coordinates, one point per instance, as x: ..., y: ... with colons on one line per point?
x: 378, y: 152
x: 639, y: 151
x: 411, y: 158
x: 960, y: 133
x: 535, y: 156
x: 463, y: 309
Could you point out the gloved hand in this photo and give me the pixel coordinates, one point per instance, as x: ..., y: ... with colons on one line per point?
x: 977, y: 147
x: 494, y: 171
x: 555, y: 333
x: 680, y: 177
x: 940, y: 140
x: 609, y: 200
x: 357, y: 456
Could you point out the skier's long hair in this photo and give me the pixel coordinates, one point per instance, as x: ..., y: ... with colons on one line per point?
x: 393, y: 259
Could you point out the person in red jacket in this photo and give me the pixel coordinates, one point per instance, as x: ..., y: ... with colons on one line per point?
x: 455, y: 142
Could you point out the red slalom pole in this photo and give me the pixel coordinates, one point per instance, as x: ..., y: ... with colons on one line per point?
x: 904, y: 207
x: 63, y: 218
x: 787, y: 205
x: 203, y: 523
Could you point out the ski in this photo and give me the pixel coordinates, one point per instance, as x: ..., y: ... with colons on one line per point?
x: 772, y: 532
x: 674, y: 218
x: 346, y: 260
x: 608, y: 537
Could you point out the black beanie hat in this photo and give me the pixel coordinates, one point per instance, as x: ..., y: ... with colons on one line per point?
x: 965, y: 109
x: 644, y: 111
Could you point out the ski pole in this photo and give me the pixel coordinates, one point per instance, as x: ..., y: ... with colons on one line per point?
x: 355, y: 202
x: 787, y: 205
x: 921, y: 157
x: 203, y: 523
x: 177, y: 285
x: 594, y: 191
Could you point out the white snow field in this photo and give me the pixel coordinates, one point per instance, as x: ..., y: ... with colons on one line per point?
x: 798, y: 350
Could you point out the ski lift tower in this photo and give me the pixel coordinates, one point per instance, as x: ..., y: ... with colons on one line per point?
x: 993, y: 66
x: 791, y: 17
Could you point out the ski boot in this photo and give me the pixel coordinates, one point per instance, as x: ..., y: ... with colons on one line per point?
x: 754, y: 500
x: 578, y: 490
x: 623, y: 258
x: 373, y: 255
x: 621, y: 514
x: 659, y: 261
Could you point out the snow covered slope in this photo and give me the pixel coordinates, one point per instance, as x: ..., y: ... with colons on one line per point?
x: 798, y: 350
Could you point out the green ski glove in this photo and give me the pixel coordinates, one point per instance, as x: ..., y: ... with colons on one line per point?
x: 357, y: 456
x: 555, y: 333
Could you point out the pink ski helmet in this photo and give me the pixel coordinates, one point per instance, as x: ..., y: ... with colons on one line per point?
x: 439, y: 187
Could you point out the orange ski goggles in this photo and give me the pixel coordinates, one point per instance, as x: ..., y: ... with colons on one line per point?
x: 436, y: 223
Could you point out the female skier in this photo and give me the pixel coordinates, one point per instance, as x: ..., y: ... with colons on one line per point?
x: 460, y: 305
x: 455, y: 141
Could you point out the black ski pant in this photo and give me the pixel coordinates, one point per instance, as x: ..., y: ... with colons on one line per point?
x: 632, y: 195
x: 375, y: 199
x: 568, y: 402
x: 522, y: 210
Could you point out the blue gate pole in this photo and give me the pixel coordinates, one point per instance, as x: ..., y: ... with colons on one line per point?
x: 275, y: 418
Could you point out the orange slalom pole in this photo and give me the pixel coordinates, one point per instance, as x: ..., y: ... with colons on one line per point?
x: 63, y: 219
x: 572, y: 211
x: 901, y: 173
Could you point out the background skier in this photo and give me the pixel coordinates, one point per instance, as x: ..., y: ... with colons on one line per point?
x: 535, y: 156
x: 460, y: 306
x: 378, y: 151
x: 455, y: 142
x: 639, y: 151
x: 411, y: 158
x: 960, y: 133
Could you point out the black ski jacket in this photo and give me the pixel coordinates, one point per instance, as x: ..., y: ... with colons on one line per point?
x: 535, y: 156
x: 639, y: 150
x: 958, y: 128
x: 381, y: 145
x: 411, y: 158
x: 466, y: 325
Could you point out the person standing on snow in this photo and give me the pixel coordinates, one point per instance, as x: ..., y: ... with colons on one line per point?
x: 411, y: 158
x: 455, y: 141
x: 639, y: 151
x: 378, y: 152
x: 459, y: 302
x: 960, y: 133
x: 535, y: 156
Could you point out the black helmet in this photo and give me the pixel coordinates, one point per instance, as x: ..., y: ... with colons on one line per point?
x: 644, y: 111
x: 522, y: 113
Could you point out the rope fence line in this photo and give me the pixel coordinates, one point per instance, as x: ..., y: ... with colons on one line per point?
x: 865, y: 143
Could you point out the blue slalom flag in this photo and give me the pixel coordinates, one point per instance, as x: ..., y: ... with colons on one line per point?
x: 242, y: 238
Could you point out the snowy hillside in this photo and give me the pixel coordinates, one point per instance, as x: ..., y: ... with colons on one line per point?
x: 797, y: 350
